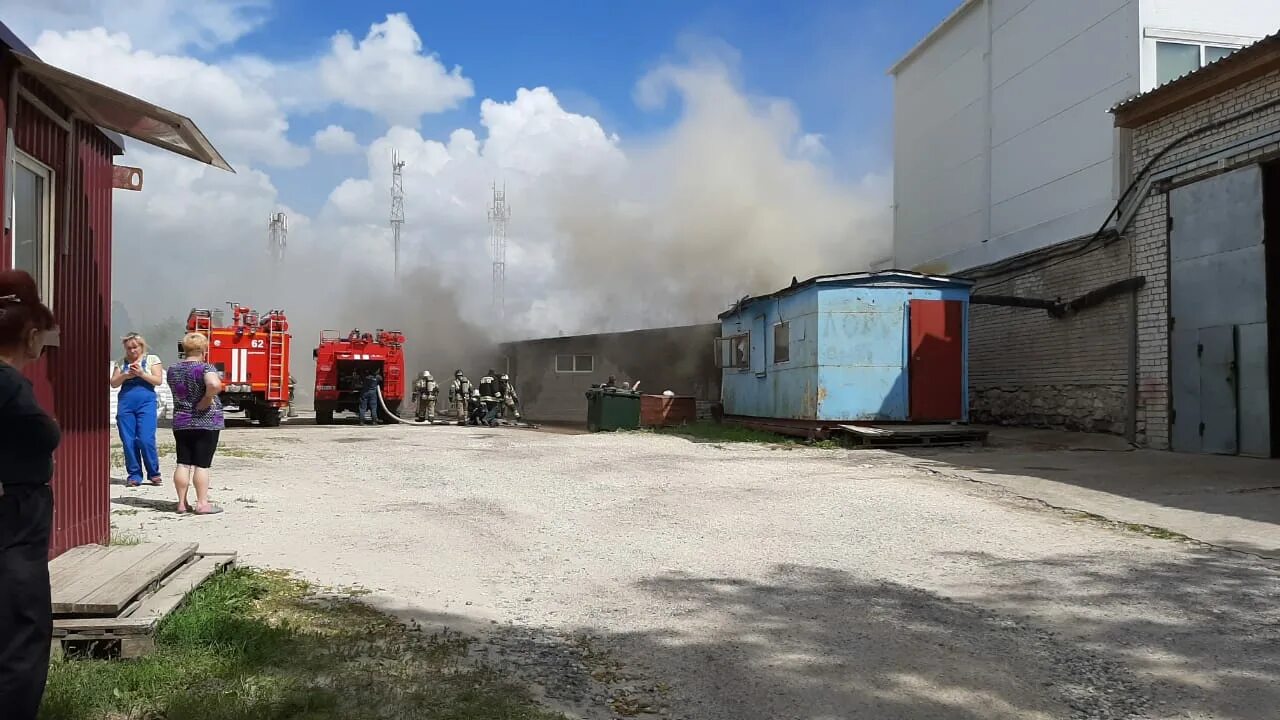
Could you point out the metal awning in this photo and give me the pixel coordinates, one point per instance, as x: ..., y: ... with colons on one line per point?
x: 113, y: 110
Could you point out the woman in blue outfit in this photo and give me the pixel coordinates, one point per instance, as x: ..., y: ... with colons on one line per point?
x: 137, y: 376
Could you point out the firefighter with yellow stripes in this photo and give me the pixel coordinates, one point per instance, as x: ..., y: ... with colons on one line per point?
x: 425, y: 392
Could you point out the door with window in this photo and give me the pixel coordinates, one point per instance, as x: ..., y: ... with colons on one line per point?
x: 32, y: 243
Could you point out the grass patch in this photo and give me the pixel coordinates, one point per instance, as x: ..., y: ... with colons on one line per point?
x: 243, y: 453
x: 719, y: 433
x: 1139, y: 528
x: 264, y: 646
x: 124, y: 537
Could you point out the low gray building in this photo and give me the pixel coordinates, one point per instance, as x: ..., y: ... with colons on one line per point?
x: 552, y: 375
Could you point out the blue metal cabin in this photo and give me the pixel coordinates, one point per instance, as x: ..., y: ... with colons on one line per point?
x: 888, y: 346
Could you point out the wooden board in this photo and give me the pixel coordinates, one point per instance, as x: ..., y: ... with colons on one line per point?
x: 105, y: 583
x: 178, y: 586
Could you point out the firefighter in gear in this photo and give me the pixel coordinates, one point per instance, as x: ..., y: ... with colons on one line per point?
x: 425, y: 392
x: 477, y: 408
x: 507, y: 398
x: 459, y: 395
x: 369, y: 385
x: 489, y: 398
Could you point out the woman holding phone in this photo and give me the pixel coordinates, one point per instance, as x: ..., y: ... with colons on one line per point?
x: 137, y: 376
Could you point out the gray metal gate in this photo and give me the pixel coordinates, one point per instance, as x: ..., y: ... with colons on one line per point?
x: 1218, y: 316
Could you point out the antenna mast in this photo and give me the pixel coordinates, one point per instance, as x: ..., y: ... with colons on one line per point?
x: 499, y: 213
x: 277, y: 238
x: 397, y: 207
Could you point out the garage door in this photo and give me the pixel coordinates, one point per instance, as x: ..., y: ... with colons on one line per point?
x: 1218, y: 316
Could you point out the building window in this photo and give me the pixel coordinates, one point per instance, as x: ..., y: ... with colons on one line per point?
x: 33, y: 222
x: 782, y: 342
x: 1175, y: 59
x: 734, y: 351
x: 575, y: 363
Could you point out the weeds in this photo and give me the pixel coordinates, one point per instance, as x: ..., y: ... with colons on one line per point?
x: 262, y: 645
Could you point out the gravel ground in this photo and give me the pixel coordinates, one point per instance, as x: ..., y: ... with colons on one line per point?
x: 638, y: 574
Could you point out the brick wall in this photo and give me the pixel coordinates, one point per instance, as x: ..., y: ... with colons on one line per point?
x: 1028, y: 368
x: 1149, y: 232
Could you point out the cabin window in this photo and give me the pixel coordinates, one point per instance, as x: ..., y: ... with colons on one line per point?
x: 33, y: 222
x: 734, y: 351
x: 575, y: 363
x: 782, y: 342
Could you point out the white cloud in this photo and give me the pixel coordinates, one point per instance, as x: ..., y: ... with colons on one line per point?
x: 733, y: 198
x: 241, y: 118
x: 336, y: 140
x: 811, y: 146
x: 158, y: 25
x: 388, y: 74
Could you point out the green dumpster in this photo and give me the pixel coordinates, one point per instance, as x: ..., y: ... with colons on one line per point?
x: 612, y: 410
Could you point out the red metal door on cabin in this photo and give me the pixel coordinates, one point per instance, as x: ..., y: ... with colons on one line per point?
x: 936, y: 367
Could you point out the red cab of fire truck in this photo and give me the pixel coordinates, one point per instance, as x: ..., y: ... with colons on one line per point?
x: 252, y: 355
x: 342, y: 361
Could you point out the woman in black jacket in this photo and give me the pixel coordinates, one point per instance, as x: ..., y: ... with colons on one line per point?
x: 28, y: 437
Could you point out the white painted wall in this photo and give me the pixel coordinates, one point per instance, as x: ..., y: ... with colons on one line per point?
x: 1002, y: 139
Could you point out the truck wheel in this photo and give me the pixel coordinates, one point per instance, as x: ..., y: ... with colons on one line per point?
x: 324, y: 417
x: 269, y: 417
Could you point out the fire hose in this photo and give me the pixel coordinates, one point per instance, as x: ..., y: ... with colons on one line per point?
x: 386, y: 410
x: 382, y: 402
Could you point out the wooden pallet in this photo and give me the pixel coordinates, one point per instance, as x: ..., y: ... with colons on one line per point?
x: 911, y: 435
x: 111, y: 599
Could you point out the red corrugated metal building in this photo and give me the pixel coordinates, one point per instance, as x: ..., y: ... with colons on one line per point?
x: 61, y: 133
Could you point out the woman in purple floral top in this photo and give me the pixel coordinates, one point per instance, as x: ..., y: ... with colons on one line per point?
x: 197, y: 421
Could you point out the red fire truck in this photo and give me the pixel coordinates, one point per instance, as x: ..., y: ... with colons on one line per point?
x: 252, y: 354
x: 343, y: 360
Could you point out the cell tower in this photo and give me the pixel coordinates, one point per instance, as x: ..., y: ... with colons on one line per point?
x: 499, y: 214
x: 277, y: 237
x: 397, y: 207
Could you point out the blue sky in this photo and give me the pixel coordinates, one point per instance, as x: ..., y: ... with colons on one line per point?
x: 829, y: 58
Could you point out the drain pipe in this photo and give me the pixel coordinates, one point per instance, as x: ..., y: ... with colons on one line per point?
x: 10, y: 150
x: 1131, y: 432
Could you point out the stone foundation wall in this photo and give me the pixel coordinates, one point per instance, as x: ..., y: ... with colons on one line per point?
x: 1088, y: 408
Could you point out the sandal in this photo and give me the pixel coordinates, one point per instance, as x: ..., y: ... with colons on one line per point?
x: 156, y: 481
x: 213, y: 510
x: 133, y: 483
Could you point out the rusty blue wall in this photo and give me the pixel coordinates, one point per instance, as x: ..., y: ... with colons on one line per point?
x: 849, y: 350
x: 768, y: 389
x: 864, y: 341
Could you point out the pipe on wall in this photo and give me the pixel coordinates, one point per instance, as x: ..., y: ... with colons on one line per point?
x: 1059, y: 309
x: 10, y: 154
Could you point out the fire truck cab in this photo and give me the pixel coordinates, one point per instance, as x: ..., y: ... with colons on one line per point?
x: 252, y: 355
x: 342, y: 361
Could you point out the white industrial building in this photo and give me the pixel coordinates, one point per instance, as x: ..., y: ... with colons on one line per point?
x: 1002, y: 140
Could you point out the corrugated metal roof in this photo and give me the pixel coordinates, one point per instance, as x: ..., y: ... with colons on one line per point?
x: 1267, y: 44
x: 15, y: 43
x: 854, y: 279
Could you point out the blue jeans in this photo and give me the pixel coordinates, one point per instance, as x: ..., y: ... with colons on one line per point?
x: 136, y: 421
x: 369, y: 401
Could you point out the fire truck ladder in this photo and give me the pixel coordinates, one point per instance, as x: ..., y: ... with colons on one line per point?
x: 202, y: 322
x: 277, y: 383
